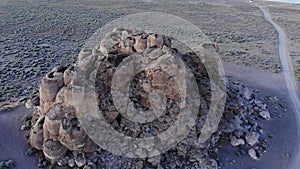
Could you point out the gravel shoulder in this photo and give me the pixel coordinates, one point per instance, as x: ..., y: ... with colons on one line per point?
x: 282, y: 126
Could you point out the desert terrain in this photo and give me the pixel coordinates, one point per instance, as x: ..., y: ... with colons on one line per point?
x: 36, y: 36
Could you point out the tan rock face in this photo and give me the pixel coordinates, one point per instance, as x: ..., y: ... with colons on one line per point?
x: 57, y: 129
x: 130, y: 41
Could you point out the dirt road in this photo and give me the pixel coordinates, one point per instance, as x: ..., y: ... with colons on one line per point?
x: 287, y: 74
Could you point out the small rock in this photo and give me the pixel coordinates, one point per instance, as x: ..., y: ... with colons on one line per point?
x: 139, y: 165
x: 24, y: 127
x: 160, y: 166
x: 63, y: 161
x: 265, y: 114
x: 252, y: 138
x: 87, y: 167
x: 236, y: 142
x: 252, y: 154
x: 80, y: 159
x: 154, y: 160
x: 247, y: 94
x: 238, y: 133
x: 71, y: 162
x: 90, y: 165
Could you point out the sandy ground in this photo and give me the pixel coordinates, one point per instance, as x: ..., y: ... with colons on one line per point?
x: 12, y: 142
x: 254, y: 77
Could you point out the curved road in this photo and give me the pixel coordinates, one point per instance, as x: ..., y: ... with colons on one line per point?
x: 288, y: 76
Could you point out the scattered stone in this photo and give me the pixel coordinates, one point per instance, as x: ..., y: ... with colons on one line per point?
x: 154, y: 161
x: 252, y: 153
x: 252, y: 138
x: 28, y: 104
x: 265, y: 114
x: 209, y: 163
x: 246, y: 93
x: 24, y: 127
x: 238, y: 133
x: 80, y: 159
x: 139, y: 165
x: 71, y: 162
x: 236, y: 142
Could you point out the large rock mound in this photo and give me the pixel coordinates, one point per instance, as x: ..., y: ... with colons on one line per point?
x: 57, y: 132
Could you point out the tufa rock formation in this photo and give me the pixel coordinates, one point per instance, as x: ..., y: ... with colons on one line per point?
x: 58, y: 134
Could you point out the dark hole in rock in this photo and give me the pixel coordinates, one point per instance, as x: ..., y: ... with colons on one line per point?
x: 65, y: 124
x: 62, y: 69
x: 41, y: 122
x: 51, y: 75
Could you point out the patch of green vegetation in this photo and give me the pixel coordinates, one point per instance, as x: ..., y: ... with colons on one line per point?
x: 6, y: 164
x: 30, y: 152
